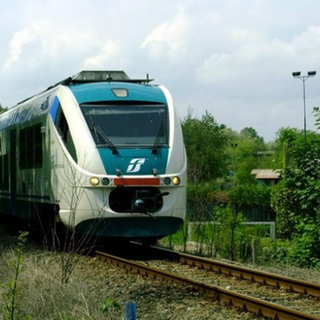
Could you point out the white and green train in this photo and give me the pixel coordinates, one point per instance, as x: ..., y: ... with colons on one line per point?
x: 99, y: 152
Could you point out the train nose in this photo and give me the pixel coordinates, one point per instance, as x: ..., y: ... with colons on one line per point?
x: 136, y: 199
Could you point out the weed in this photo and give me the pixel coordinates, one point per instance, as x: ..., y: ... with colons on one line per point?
x: 11, y: 310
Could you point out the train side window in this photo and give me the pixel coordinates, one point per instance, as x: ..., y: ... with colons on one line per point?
x: 30, y: 142
x: 5, y: 174
x: 1, y: 166
x: 63, y: 126
x: 23, y: 148
x: 63, y: 129
x: 1, y: 172
x: 37, y: 146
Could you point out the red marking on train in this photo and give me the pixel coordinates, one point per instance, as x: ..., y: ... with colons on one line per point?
x: 137, y: 182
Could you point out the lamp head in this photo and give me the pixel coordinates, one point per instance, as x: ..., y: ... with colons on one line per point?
x: 311, y: 73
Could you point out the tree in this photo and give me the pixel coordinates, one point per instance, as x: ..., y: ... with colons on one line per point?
x: 316, y: 112
x: 286, y: 138
x: 242, y: 149
x: 296, y: 199
x: 205, y: 142
x: 251, y: 133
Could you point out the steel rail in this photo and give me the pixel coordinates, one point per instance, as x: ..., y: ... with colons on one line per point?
x: 265, y: 278
x: 238, y: 301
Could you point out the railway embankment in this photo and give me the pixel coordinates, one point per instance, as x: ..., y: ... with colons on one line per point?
x: 97, y: 290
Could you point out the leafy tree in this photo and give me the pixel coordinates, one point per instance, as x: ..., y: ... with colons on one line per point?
x: 296, y: 199
x: 316, y: 112
x: 252, y: 134
x: 286, y: 138
x: 205, y: 141
x: 242, y: 150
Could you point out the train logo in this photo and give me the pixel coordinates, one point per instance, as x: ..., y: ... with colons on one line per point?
x: 135, y: 165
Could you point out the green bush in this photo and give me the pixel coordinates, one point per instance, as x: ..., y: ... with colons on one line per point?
x: 250, y: 194
x: 296, y: 201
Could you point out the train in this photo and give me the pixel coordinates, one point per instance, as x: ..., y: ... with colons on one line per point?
x: 98, y: 153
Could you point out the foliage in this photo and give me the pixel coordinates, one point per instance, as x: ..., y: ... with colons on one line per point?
x: 250, y: 194
x: 242, y: 153
x: 282, y: 202
x: 297, y: 200
x: 109, y: 304
x: 201, y: 190
x: 225, y: 235
x: 251, y: 133
x: 11, y: 310
x: 273, y: 251
x: 41, y: 295
x: 205, y: 141
x: 230, y: 222
x: 306, y: 245
x: 285, y: 141
x: 66, y: 243
x: 316, y: 112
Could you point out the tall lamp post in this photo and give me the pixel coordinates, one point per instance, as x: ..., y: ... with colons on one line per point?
x: 304, y: 79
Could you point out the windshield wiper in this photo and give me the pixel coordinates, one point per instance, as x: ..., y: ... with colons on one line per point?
x: 99, y: 133
x: 157, y: 140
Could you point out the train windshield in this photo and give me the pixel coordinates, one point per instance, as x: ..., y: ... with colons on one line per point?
x: 127, y: 125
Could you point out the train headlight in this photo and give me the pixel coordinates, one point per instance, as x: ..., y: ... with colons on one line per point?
x: 176, y: 181
x: 94, y: 181
x: 166, y: 181
x: 120, y: 93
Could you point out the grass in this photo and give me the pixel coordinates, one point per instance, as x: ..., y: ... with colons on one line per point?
x: 213, y: 239
x: 42, y: 295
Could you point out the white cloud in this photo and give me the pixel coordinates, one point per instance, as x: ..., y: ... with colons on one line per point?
x: 109, y: 55
x: 262, y: 59
x: 252, y: 60
x: 168, y: 39
x: 21, y: 40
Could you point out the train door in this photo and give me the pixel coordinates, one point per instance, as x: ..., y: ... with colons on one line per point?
x: 13, y: 170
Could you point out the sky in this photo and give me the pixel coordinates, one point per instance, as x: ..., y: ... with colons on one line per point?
x: 232, y: 58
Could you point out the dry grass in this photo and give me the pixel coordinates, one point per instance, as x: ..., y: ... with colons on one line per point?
x: 41, y: 293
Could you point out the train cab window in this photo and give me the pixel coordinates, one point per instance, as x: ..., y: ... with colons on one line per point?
x: 30, y: 142
x: 128, y: 125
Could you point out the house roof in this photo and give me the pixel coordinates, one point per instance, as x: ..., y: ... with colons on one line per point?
x: 266, y: 174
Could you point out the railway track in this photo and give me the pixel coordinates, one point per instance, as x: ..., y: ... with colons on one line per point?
x: 237, y: 300
x: 253, y: 275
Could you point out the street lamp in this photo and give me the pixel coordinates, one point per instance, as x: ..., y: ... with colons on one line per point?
x: 304, y: 79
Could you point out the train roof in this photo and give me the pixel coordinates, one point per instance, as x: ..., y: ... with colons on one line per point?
x: 90, y: 76
x: 96, y: 78
x: 101, y: 76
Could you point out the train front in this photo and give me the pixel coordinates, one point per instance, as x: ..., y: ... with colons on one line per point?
x: 137, y: 136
